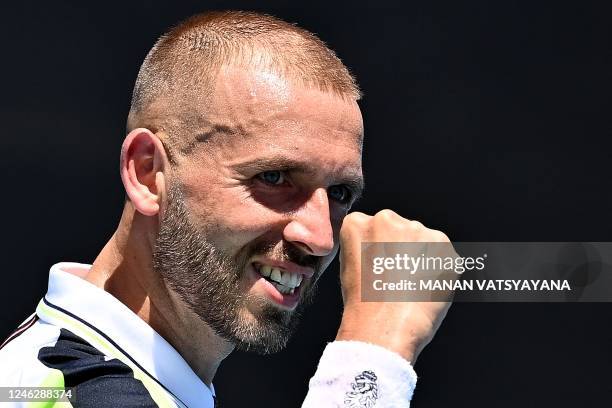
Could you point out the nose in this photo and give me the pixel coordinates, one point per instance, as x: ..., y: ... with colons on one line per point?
x: 310, y: 227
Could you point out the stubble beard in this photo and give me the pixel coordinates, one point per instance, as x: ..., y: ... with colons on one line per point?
x: 208, y: 281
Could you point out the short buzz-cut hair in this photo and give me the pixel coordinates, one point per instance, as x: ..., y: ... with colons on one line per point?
x: 181, y: 67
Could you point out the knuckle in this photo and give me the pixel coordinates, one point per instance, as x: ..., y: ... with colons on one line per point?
x: 441, y: 237
x: 410, y: 228
x: 386, y: 215
x: 356, y: 217
x: 354, y: 220
x: 415, y: 226
x: 436, y: 236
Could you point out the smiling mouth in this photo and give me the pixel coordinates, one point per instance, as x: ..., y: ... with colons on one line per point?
x: 284, y: 281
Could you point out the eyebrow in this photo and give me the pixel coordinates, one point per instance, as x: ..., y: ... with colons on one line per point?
x: 352, y: 180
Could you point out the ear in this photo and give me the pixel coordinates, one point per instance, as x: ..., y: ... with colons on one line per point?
x: 143, y: 162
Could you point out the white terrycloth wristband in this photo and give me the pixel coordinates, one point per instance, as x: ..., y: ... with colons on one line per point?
x: 354, y: 374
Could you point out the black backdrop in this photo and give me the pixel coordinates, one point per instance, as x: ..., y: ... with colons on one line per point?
x: 488, y: 120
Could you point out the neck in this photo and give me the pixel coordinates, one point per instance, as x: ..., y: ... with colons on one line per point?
x: 124, y: 268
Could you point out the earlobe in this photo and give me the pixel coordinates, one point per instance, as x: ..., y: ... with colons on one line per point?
x: 142, y: 167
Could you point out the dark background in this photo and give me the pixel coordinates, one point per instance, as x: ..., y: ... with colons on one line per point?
x: 488, y: 120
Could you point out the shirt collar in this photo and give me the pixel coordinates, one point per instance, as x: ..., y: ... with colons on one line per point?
x: 69, y: 291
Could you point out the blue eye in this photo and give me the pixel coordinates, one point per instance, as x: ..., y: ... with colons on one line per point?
x: 339, y: 193
x: 274, y: 177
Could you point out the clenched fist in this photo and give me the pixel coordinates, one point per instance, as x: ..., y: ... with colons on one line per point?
x: 403, y: 327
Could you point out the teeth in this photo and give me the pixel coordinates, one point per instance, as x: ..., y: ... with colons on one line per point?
x: 284, y: 281
x: 276, y: 275
x: 286, y: 278
x: 282, y: 289
x: 265, y: 270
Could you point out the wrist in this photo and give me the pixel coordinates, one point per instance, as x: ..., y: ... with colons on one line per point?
x: 399, y: 343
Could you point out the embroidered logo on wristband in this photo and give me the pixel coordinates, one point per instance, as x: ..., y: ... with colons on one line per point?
x: 364, y: 391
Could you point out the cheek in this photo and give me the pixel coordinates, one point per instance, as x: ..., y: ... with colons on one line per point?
x: 230, y: 220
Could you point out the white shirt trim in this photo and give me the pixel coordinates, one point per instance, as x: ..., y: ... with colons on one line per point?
x: 69, y: 291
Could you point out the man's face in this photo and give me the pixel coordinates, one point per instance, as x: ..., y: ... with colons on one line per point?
x: 253, y: 213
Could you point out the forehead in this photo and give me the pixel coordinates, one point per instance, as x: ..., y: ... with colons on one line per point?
x: 250, y: 107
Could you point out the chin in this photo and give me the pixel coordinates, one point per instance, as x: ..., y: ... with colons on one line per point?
x: 265, y: 330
